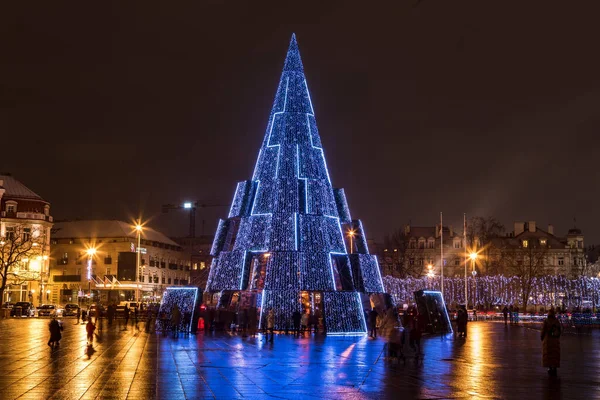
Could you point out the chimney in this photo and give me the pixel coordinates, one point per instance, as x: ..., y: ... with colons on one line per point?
x: 551, y: 229
x: 531, y: 225
x: 406, y: 230
x: 451, y: 231
x: 519, y: 228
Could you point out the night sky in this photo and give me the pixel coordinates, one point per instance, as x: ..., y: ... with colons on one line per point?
x: 453, y: 106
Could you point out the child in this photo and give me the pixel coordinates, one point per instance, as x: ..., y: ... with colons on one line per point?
x: 90, y: 328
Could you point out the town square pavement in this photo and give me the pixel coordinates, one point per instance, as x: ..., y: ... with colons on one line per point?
x: 495, y: 361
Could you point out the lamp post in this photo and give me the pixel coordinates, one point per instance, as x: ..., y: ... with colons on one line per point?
x: 351, y: 234
x: 473, y: 257
x: 430, y: 275
x: 138, y: 229
x: 90, y: 252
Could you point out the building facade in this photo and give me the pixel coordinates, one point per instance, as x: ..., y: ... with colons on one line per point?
x: 198, y: 250
x: 25, y: 224
x: 113, y: 275
x: 417, y: 251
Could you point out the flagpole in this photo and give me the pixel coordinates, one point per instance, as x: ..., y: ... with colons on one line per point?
x: 465, y: 248
x: 442, y: 253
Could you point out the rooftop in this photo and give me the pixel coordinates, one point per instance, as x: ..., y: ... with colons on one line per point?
x: 105, y: 229
x: 16, y: 190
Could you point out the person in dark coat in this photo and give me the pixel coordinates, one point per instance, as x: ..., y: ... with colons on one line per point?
x: 373, y: 323
x: 461, y: 321
x: 505, y: 313
x: 90, y: 328
x: 252, y: 320
x: 55, y: 328
x: 511, y: 310
x: 551, y: 332
x: 126, y: 316
x: 296, y: 317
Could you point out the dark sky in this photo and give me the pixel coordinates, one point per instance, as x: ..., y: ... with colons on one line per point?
x: 453, y: 106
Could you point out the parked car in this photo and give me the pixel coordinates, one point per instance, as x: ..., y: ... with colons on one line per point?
x: 47, y: 310
x: 95, y: 308
x: 70, y: 309
x: 22, y: 309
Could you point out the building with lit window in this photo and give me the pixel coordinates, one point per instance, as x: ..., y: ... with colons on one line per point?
x: 109, y: 274
x: 25, y: 224
x: 417, y: 248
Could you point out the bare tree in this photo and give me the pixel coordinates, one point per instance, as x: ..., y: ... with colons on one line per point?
x: 481, y: 233
x: 398, y: 256
x: 19, y: 249
x: 526, y: 263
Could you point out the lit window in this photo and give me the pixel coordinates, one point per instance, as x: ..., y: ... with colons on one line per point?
x: 525, y: 243
x: 202, y: 265
x: 543, y: 242
x: 11, y: 208
x: 195, y: 266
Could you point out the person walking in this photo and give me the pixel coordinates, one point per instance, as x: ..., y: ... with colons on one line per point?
x: 175, y: 319
x: 550, y: 336
x: 252, y: 320
x: 78, y: 315
x: 511, y: 309
x: 296, y: 318
x: 126, y: 316
x: 373, y: 323
x: 90, y: 328
x: 304, y: 322
x: 505, y: 313
x: 462, y: 319
x: 55, y: 328
x: 270, y: 324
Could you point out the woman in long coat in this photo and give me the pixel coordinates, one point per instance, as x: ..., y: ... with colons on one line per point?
x: 551, y: 342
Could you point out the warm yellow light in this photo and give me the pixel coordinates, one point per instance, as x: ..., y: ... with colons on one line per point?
x: 32, y: 290
x: 45, y: 258
x: 39, y: 258
x: 91, y: 251
x: 351, y: 232
x: 48, y: 291
x: 138, y: 228
x: 430, y: 266
x: 473, y: 256
x: 267, y: 255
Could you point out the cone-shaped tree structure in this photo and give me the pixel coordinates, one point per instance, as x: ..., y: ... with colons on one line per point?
x: 286, y: 242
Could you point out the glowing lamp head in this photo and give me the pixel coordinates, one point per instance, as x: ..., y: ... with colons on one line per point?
x: 267, y: 255
x: 138, y: 228
x: 91, y: 251
x: 351, y: 232
x: 430, y: 267
x: 187, y: 205
x: 473, y: 256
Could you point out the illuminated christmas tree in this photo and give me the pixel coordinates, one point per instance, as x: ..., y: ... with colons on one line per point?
x: 286, y: 242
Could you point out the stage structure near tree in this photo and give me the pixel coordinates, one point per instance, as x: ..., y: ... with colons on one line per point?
x: 286, y: 242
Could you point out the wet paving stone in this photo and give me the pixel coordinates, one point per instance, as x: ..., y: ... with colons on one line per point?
x: 495, y: 362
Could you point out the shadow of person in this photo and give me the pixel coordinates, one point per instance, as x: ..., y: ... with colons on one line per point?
x: 89, y: 351
x: 552, y: 388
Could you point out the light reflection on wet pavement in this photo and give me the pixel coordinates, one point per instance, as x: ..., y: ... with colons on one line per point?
x: 493, y: 362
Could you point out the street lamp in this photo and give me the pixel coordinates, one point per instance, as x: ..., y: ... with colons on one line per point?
x: 430, y: 274
x: 90, y: 252
x: 351, y: 233
x: 138, y: 229
x: 473, y: 257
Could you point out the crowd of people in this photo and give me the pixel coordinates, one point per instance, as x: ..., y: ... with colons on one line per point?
x: 175, y: 315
